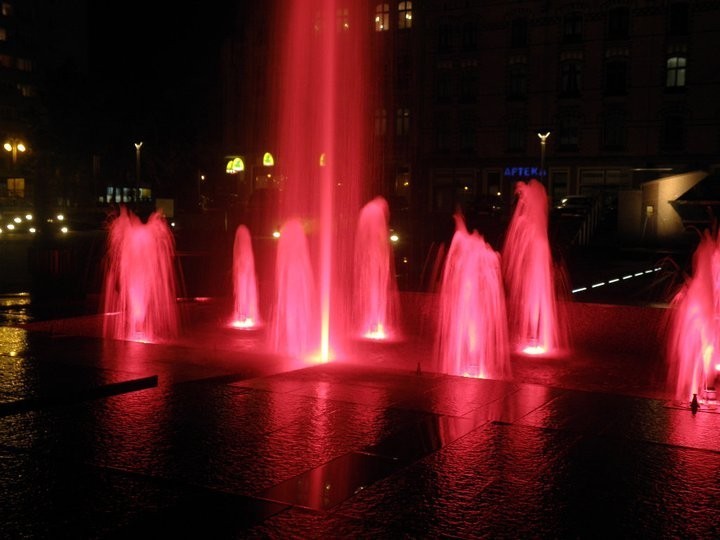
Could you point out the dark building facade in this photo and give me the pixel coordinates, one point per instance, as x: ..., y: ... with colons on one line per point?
x: 19, y: 104
x: 623, y: 91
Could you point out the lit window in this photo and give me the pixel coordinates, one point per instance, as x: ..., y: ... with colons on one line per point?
x: 676, y: 66
x: 405, y: 15
x: 380, y: 122
x: 3, y: 34
x: 382, y: 17
x: 16, y: 188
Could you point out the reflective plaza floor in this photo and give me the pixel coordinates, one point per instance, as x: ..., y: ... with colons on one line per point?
x: 212, y: 437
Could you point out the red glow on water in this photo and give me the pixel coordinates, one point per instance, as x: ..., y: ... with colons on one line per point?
x: 375, y: 295
x: 472, y: 339
x: 139, y: 290
x: 533, y: 312
x: 534, y: 350
x: 245, y: 290
x: 694, y: 331
x: 377, y: 333
x: 243, y: 324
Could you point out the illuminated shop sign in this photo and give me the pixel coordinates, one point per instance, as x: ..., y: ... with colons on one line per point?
x: 525, y: 172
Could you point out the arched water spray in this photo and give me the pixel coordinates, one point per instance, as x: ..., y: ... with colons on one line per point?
x: 375, y: 295
x: 472, y: 332
x: 139, y: 298
x: 693, y: 339
x: 534, y: 317
x: 245, y: 289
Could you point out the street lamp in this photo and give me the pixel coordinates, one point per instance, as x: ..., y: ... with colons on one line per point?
x: 543, y: 139
x: 137, y: 169
x: 14, y: 146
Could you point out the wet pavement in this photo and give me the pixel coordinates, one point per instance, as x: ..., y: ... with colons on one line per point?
x: 212, y: 436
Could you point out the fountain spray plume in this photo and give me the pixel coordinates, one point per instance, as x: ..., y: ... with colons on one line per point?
x: 139, y: 299
x: 692, y: 346
x: 294, y: 323
x: 535, y: 322
x: 472, y: 334
x: 245, y: 289
x: 375, y: 294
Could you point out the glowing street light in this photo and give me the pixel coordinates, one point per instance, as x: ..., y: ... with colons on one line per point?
x: 14, y: 146
x: 543, y: 139
x: 137, y: 169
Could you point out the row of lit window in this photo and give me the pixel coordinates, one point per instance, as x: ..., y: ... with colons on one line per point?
x: 382, y: 16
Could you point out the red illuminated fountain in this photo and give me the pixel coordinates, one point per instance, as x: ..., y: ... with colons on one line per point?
x: 245, y: 289
x: 140, y: 301
x: 535, y: 324
x: 694, y: 336
x: 375, y: 295
x: 472, y: 333
x: 321, y: 140
x: 294, y: 323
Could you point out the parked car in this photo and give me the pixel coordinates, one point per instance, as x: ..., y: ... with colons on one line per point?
x: 575, y: 205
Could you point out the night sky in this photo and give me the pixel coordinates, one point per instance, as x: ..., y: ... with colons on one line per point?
x: 152, y: 66
x: 153, y: 73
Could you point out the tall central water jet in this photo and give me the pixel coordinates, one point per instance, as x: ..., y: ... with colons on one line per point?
x: 322, y: 133
x: 694, y: 337
x: 533, y: 312
x: 139, y: 298
x: 472, y: 333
